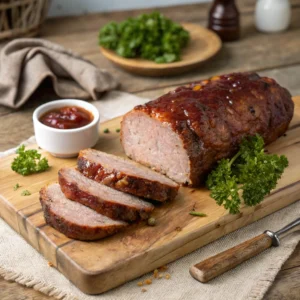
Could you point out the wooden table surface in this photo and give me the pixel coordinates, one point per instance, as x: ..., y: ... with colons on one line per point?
x: 275, y: 55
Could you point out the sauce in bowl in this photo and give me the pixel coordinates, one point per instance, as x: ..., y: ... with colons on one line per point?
x: 67, y: 117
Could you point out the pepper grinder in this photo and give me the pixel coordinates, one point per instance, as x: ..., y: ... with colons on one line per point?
x: 272, y: 15
x: 224, y: 19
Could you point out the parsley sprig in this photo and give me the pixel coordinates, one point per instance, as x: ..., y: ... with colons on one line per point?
x: 29, y: 161
x: 150, y: 36
x: 249, y: 176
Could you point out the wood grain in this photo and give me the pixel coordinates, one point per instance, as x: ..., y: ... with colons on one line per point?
x: 99, y: 266
x: 203, y: 45
x: 229, y: 259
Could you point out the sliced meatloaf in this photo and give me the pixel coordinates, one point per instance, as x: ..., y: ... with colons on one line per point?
x: 73, y: 219
x: 126, y: 175
x: 101, y: 198
x: 185, y: 132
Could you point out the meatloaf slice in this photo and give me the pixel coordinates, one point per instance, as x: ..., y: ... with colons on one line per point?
x: 185, y: 132
x: 101, y: 198
x: 126, y: 175
x: 73, y: 219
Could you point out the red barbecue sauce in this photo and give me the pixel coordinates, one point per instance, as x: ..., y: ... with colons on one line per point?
x: 67, y: 117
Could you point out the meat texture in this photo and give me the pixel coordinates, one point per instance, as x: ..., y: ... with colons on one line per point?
x: 101, y: 198
x: 126, y: 175
x: 73, y: 219
x: 185, y: 132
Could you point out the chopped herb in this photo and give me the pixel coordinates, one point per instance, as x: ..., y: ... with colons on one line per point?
x: 149, y: 36
x: 25, y: 193
x: 29, y: 162
x: 249, y: 176
x: 118, y: 130
x: 198, y: 214
x: 16, y: 186
x: 106, y: 130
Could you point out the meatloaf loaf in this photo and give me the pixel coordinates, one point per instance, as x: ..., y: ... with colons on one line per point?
x: 73, y: 219
x: 101, y: 198
x: 185, y: 132
x: 126, y: 175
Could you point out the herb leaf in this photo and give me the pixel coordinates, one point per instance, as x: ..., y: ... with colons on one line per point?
x: 197, y: 214
x: 29, y: 162
x: 106, y: 130
x: 16, y: 186
x: 249, y: 176
x: 25, y: 193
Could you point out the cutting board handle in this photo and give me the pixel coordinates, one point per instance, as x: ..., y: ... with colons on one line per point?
x: 227, y: 260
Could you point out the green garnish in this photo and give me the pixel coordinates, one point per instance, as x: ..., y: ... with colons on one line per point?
x: 198, y: 214
x: 151, y: 221
x: 25, y: 193
x: 106, y: 130
x: 118, y: 130
x: 16, y: 186
x: 29, y: 162
x: 249, y: 176
x: 150, y: 36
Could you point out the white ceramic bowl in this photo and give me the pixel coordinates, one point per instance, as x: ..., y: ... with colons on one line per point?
x: 66, y: 142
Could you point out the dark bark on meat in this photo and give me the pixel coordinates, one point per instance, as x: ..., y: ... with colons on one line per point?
x: 126, y: 183
x: 71, y: 229
x: 113, y: 210
x: 212, y: 116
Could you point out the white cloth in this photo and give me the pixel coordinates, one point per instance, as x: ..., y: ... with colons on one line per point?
x: 20, y: 262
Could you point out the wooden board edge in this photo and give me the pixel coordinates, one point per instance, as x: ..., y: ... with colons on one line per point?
x: 8, y: 214
x: 91, y: 282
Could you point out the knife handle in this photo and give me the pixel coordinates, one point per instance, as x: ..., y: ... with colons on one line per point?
x: 227, y: 260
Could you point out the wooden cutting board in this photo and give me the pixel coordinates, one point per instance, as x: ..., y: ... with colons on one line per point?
x: 95, y: 267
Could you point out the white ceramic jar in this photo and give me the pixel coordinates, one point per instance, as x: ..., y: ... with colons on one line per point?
x: 272, y: 15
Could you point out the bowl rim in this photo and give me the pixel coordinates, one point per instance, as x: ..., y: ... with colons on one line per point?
x: 65, y: 102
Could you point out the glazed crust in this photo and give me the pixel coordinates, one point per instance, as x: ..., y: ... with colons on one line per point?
x: 117, y: 211
x: 212, y: 116
x: 70, y: 229
x: 126, y: 183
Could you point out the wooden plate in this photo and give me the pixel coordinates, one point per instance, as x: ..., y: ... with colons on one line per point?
x: 203, y: 45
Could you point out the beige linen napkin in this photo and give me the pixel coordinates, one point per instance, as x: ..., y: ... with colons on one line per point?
x: 25, y: 63
x: 21, y: 263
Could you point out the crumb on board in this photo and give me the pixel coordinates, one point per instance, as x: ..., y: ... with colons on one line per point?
x: 178, y: 228
x: 50, y: 264
x: 163, y: 268
x: 194, y: 207
x: 144, y: 290
x: 158, y: 273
